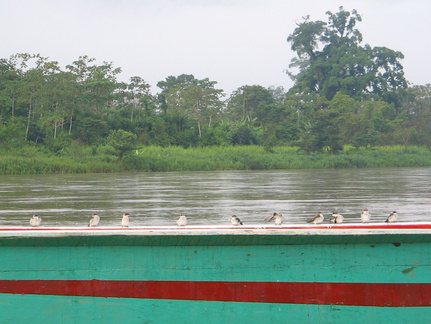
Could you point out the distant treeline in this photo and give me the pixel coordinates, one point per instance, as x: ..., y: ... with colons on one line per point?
x: 43, y: 105
x: 345, y: 93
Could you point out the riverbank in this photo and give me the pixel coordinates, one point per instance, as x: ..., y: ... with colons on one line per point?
x: 161, y: 159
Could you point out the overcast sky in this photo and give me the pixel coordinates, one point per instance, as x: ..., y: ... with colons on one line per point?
x: 233, y: 42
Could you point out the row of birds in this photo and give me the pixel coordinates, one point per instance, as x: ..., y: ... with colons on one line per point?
x: 335, y: 218
x: 36, y: 220
x: 277, y: 218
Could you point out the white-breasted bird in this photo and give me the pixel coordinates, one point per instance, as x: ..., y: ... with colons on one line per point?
x: 392, y: 217
x: 94, y: 221
x: 182, y: 220
x: 336, y: 218
x: 276, y: 217
x: 317, y: 219
x: 125, y: 221
x: 235, y: 220
x: 365, y: 216
x: 35, y: 220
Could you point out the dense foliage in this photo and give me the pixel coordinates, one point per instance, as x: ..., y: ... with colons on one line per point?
x: 345, y: 93
x: 343, y: 65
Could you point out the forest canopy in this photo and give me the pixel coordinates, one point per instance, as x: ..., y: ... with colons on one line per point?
x: 345, y: 92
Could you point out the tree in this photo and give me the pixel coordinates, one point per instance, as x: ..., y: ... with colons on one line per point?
x: 9, y: 82
x: 137, y: 98
x: 418, y: 107
x: 171, y: 81
x: 196, y: 99
x: 324, y: 133
x: 254, y: 107
x: 168, y: 84
x: 330, y: 59
x: 245, y: 135
x: 97, y: 83
x: 31, y: 87
x: 123, y: 141
x: 250, y: 104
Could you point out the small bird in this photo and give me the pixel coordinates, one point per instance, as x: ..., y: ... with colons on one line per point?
x: 365, y: 216
x: 276, y: 217
x: 94, y: 221
x: 235, y: 220
x: 336, y: 218
x: 35, y: 220
x: 125, y: 220
x: 392, y: 217
x: 317, y: 219
x: 182, y: 221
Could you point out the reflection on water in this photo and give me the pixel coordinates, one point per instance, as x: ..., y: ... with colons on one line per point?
x: 212, y: 197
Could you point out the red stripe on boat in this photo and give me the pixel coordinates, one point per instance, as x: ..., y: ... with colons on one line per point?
x: 399, y: 226
x: 315, y: 293
x: 250, y: 227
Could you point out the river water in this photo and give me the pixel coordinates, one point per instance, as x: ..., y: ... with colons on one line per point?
x: 212, y: 197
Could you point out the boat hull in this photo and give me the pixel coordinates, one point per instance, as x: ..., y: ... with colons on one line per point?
x: 218, y: 275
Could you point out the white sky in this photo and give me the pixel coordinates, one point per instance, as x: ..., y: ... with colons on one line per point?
x: 233, y: 42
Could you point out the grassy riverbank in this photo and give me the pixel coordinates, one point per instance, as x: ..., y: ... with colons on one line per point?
x: 152, y: 158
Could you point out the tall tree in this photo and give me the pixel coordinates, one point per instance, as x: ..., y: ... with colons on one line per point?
x: 137, y: 97
x: 98, y: 83
x: 250, y: 103
x: 9, y: 82
x: 196, y: 99
x: 330, y: 59
x: 262, y: 111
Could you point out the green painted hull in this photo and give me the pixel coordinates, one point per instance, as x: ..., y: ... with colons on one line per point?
x: 102, y: 310
x: 100, y: 261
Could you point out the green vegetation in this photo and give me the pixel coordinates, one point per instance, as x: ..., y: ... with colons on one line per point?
x: 256, y: 158
x: 174, y: 158
x: 348, y: 101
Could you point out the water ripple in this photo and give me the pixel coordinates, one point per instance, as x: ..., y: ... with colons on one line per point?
x: 212, y: 197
